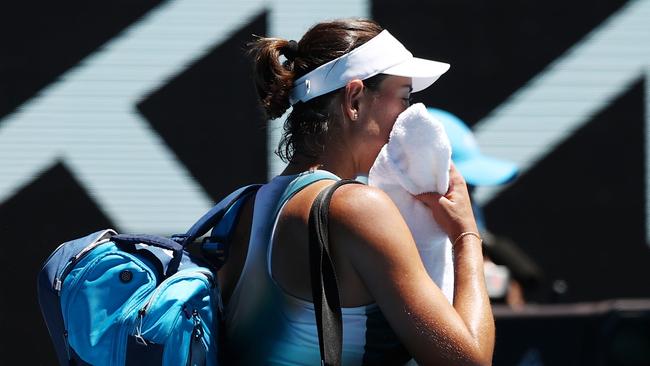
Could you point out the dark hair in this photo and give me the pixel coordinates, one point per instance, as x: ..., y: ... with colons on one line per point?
x: 306, y: 129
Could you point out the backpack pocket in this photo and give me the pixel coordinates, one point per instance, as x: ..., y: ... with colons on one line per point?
x: 179, y: 316
x: 98, y: 301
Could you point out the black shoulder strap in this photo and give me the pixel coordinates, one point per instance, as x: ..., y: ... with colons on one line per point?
x: 324, y: 285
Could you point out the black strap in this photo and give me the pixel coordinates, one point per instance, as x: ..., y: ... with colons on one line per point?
x: 324, y: 285
x: 155, y: 241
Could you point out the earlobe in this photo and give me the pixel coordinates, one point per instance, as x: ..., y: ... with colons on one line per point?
x: 353, y: 93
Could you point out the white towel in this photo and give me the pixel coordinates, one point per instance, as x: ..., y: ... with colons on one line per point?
x: 416, y: 160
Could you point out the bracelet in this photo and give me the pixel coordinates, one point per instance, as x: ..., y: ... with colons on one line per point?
x: 464, y: 234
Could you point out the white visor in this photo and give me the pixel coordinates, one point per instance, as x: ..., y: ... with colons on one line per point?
x: 383, y: 54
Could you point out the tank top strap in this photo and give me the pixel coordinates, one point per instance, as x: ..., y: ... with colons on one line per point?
x: 301, y: 181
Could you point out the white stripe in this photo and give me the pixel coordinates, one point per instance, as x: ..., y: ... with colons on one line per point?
x: 568, y: 93
x: 88, y: 119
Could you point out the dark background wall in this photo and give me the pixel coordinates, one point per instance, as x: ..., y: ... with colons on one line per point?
x: 579, y: 213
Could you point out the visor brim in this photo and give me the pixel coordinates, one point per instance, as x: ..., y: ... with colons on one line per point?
x: 423, y: 72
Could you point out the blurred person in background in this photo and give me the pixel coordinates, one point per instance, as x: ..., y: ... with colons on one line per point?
x: 347, y: 81
x: 509, y: 272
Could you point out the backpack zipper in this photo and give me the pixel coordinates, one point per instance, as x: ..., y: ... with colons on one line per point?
x: 143, y: 311
x: 198, y: 348
x: 67, y: 343
x: 58, y: 281
x: 103, y: 233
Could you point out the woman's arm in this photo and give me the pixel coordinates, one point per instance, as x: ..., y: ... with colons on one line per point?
x: 373, y: 235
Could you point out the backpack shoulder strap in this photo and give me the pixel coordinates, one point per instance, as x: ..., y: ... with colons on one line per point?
x: 222, y: 219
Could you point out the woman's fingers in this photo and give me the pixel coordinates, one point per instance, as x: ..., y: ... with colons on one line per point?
x: 452, y: 211
x: 429, y: 199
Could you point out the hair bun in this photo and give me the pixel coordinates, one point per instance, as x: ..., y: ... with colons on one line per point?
x: 290, y: 51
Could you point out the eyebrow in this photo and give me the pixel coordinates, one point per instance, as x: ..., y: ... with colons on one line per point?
x: 408, y: 86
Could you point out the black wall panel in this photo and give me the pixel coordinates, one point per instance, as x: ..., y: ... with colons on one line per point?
x: 597, y: 334
x: 51, y: 210
x: 210, y: 117
x: 493, y: 47
x: 580, y: 213
x: 40, y: 40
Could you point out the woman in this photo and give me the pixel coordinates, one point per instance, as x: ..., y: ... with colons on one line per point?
x: 348, y: 81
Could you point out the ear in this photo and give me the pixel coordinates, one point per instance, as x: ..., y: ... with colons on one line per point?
x: 352, y: 99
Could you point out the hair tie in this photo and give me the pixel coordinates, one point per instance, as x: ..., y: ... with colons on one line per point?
x: 290, y: 51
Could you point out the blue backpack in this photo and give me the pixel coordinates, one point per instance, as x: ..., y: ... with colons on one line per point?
x: 112, y: 299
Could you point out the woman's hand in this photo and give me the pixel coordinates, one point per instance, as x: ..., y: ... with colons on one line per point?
x: 453, y: 210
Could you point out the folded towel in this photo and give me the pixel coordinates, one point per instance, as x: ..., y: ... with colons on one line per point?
x: 416, y: 160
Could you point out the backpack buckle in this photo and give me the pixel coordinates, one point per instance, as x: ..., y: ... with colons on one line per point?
x: 179, y: 238
x: 215, y: 250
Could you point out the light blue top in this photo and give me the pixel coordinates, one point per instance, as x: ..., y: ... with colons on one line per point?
x: 266, y: 325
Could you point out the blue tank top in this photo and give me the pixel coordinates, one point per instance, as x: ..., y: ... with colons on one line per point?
x: 267, y: 326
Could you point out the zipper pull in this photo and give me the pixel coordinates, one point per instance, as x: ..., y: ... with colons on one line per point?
x: 198, y: 348
x: 57, y: 285
x: 197, y: 333
x: 138, y: 328
x: 58, y: 281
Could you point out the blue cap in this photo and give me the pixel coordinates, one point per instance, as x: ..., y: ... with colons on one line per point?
x: 476, y: 168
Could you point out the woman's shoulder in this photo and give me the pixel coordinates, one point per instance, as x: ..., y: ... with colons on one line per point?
x: 357, y: 211
x: 362, y: 201
x: 367, y: 216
